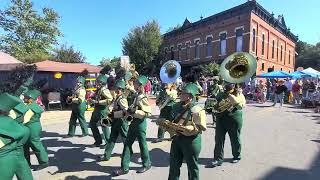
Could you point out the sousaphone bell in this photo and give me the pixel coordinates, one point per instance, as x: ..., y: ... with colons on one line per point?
x: 238, y: 67
x: 170, y: 72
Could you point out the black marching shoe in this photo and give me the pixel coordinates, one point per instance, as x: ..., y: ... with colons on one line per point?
x: 143, y: 169
x: 41, y: 166
x: 214, y: 164
x: 234, y: 161
x: 120, y: 172
x: 96, y: 144
x: 103, y: 158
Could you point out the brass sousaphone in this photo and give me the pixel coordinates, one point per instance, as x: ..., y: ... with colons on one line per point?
x: 238, y: 67
x: 170, y: 72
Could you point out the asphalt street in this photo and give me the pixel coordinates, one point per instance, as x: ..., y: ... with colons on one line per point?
x: 277, y: 143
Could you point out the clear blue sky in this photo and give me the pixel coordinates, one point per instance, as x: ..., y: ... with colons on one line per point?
x: 96, y: 27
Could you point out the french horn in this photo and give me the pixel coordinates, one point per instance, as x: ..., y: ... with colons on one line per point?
x: 238, y: 67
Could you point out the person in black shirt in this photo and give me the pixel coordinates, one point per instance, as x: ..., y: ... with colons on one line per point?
x: 279, y: 92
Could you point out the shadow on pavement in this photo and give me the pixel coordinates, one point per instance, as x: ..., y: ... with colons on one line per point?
x: 280, y: 173
x: 88, y: 178
x: 262, y: 106
x: 73, y: 157
x: 302, y: 112
x: 159, y: 158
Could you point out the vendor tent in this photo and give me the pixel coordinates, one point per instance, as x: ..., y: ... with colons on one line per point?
x: 312, y: 72
x: 275, y: 74
x: 299, y: 74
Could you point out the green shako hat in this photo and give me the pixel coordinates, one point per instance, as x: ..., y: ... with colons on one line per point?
x: 142, y: 80
x: 192, y: 89
x: 102, y: 78
x: 33, y: 94
x: 128, y: 76
x: 120, y: 84
x: 9, y: 102
x: 81, y: 80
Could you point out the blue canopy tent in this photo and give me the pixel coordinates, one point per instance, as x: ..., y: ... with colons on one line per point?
x: 276, y: 74
x: 299, y: 74
x: 311, y: 72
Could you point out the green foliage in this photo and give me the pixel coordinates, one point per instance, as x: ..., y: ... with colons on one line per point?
x: 29, y: 35
x: 308, y: 55
x: 68, y: 55
x: 211, y: 69
x: 142, y: 44
x: 178, y: 26
x: 112, y: 62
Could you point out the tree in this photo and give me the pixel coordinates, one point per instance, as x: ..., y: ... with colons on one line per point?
x: 178, y: 26
x: 112, y: 62
x: 68, y: 55
x: 211, y: 69
x: 29, y: 35
x: 142, y: 44
x: 308, y: 55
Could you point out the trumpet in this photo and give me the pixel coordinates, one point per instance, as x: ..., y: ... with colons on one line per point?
x: 69, y: 99
x: 106, y: 121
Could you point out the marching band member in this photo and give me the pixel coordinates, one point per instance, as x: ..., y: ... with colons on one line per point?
x: 187, y: 143
x: 229, y: 120
x: 129, y: 90
x: 102, y: 100
x: 140, y: 110
x: 35, y: 128
x: 78, y: 109
x: 119, y: 125
x: 165, y: 101
x: 213, y: 91
x: 13, y: 135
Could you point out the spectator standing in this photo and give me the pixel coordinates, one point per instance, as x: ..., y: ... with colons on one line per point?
x: 279, y: 92
x: 296, y: 88
x: 288, y: 84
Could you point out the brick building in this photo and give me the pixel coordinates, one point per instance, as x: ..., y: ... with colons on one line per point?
x: 247, y: 27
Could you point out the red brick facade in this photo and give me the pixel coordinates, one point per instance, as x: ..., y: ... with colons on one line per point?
x: 248, y: 23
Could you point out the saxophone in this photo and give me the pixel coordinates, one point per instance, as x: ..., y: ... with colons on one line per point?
x: 173, y: 128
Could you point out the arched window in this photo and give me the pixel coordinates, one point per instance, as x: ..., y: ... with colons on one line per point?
x: 197, y: 49
x: 172, y: 52
x: 239, y: 39
x: 254, y: 40
x: 262, y: 44
x: 209, y: 46
x: 272, y: 49
x: 223, y: 44
x: 281, y: 49
x: 179, y: 52
x: 188, y: 50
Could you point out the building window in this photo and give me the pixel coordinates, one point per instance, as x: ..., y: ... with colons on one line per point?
x: 179, y: 52
x: 239, y: 39
x: 165, y: 53
x: 188, y: 51
x: 289, y: 56
x: 254, y: 40
x: 272, y: 49
x: 172, y: 53
x: 262, y: 44
x: 197, y: 49
x: 281, y: 53
x: 209, y: 46
x: 262, y: 67
x: 223, y: 44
